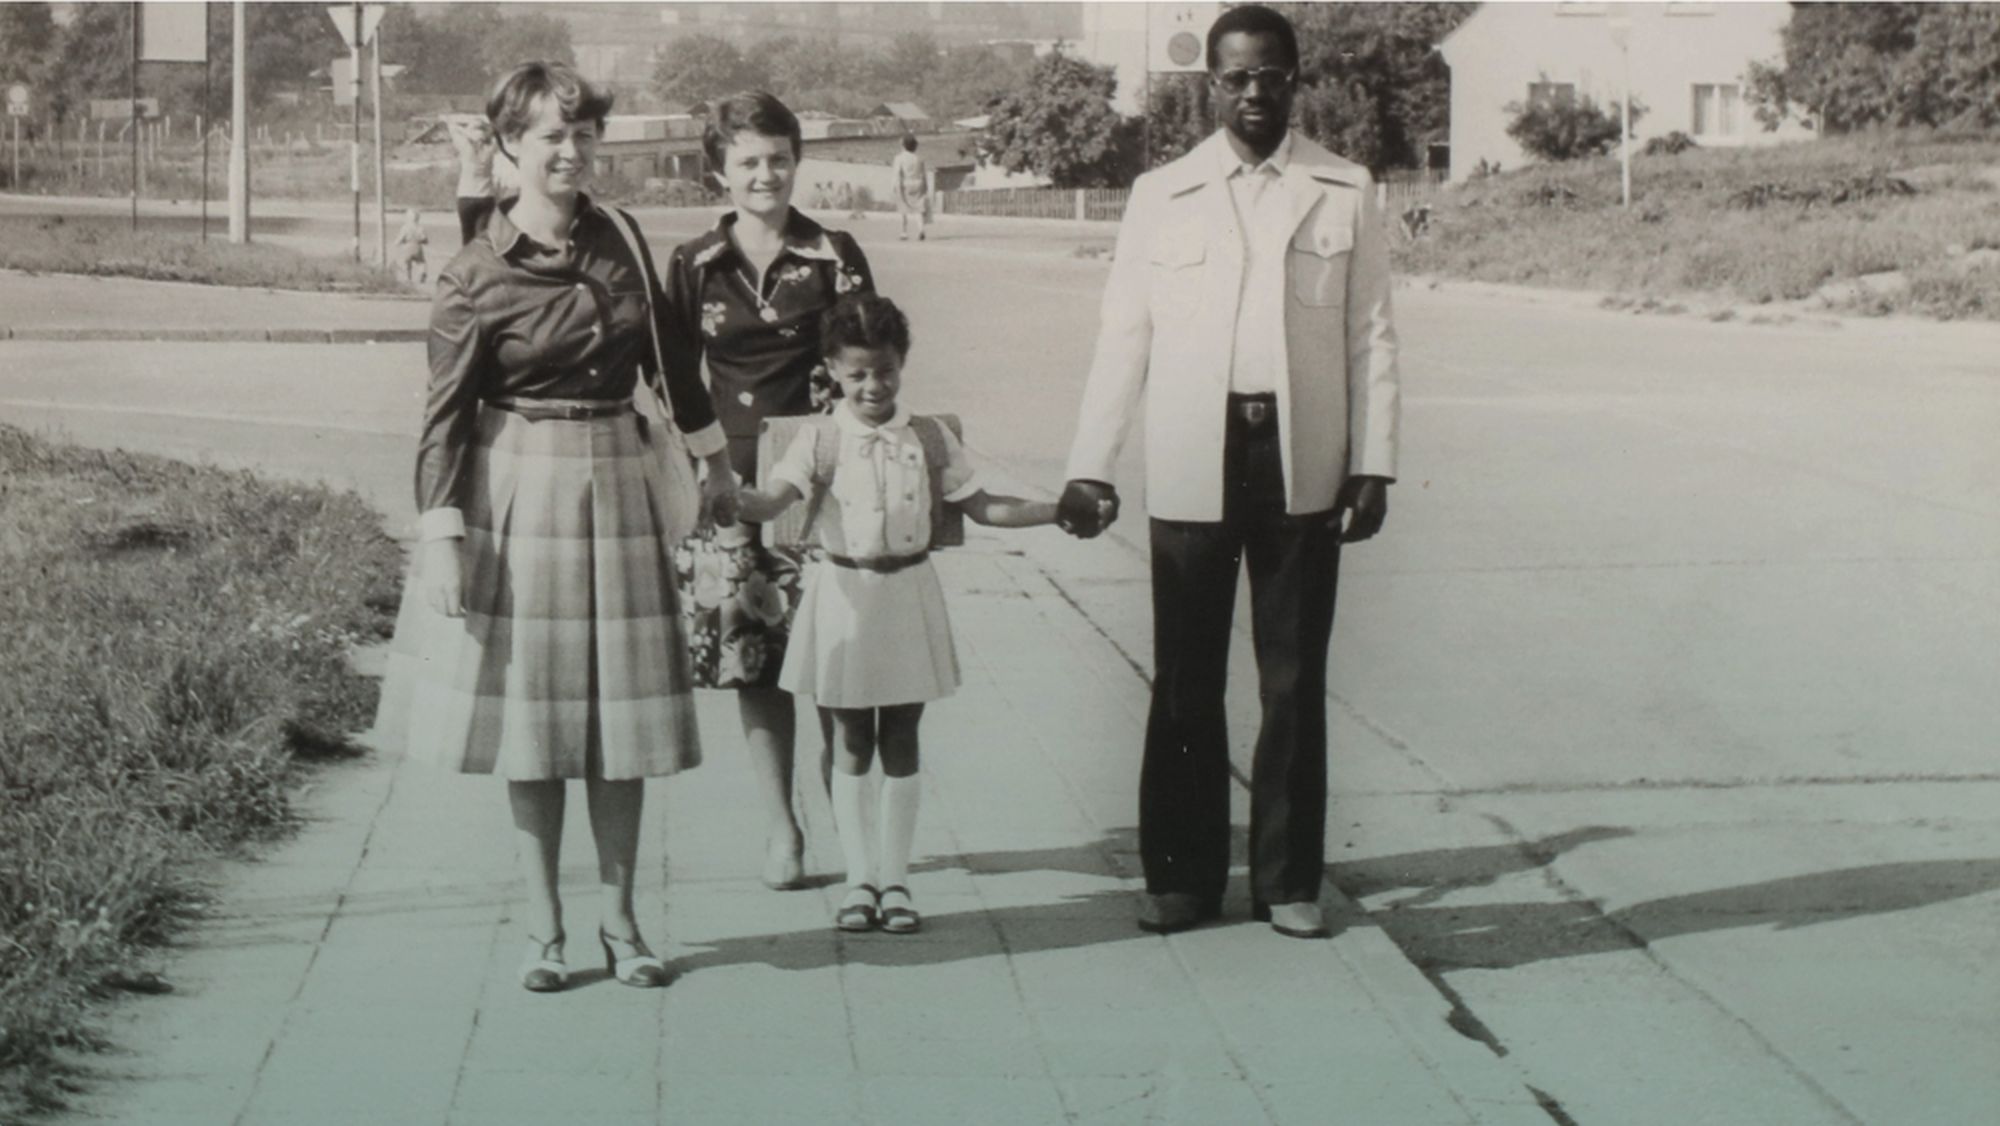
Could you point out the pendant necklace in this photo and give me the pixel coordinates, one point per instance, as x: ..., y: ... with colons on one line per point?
x: 765, y: 312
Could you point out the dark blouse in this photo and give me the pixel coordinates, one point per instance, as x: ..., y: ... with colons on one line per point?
x: 513, y: 318
x: 762, y: 346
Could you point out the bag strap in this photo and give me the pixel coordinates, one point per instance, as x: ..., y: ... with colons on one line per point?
x: 930, y: 434
x: 826, y: 454
x: 629, y: 227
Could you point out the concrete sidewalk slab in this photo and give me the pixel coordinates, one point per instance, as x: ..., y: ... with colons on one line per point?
x: 364, y: 972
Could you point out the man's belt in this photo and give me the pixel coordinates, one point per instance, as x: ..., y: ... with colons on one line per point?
x: 880, y: 564
x: 1253, y: 411
x: 562, y: 410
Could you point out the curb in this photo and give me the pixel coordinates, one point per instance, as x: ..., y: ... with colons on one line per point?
x: 223, y: 335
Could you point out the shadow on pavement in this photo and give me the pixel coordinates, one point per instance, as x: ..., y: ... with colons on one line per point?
x: 1504, y: 936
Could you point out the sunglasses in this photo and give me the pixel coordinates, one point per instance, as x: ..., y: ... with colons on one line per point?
x: 1239, y: 79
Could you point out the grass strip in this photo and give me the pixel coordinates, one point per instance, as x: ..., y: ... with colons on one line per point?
x: 173, y: 645
x: 57, y: 244
x: 1754, y: 225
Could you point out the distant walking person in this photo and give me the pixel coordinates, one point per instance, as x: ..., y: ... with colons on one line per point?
x: 1248, y: 304
x: 410, y: 240
x: 476, y: 148
x: 540, y: 635
x: 913, y: 185
x: 873, y: 642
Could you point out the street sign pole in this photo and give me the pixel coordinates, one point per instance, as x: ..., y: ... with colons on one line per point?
x: 135, y: 118
x: 381, y: 185
x: 15, y: 182
x: 239, y: 115
x: 1620, y: 25
x: 354, y: 142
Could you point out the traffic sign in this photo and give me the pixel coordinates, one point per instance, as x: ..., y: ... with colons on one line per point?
x: 1177, y: 36
x: 343, y: 19
x: 17, y: 100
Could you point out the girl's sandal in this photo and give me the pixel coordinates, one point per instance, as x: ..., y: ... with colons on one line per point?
x: 900, y: 918
x: 542, y: 968
x: 859, y: 910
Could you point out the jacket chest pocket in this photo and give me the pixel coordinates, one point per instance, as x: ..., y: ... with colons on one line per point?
x: 1317, y: 262
x: 1174, y: 261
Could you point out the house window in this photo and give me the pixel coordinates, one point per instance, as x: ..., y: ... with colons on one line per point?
x: 1551, y: 93
x: 1717, y: 112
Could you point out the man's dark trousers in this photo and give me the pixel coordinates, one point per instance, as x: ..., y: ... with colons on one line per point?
x: 1294, y: 563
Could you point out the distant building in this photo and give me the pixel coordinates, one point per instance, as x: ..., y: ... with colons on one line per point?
x: 908, y: 115
x: 1687, y: 60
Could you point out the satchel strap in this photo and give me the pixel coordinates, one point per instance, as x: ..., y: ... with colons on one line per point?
x: 930, y: 434
x: 629, y: 227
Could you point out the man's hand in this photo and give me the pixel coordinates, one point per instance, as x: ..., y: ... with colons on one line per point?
x: 444, y: 576
x: 1363, y: 505
x: 1086, y: 508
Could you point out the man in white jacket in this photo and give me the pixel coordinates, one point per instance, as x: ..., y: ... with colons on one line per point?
x: 1248, y: 306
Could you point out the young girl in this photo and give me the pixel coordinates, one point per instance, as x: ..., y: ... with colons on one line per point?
x: 872, y: 642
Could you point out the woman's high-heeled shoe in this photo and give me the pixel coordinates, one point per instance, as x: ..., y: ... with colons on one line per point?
x: 542, y: 968
x: 784, y: 869
x: 633, y: 963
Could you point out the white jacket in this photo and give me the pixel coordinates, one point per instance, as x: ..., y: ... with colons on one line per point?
x: 1169, y: 315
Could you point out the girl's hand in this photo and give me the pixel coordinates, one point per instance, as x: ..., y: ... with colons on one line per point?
x: 443, y: 570
x: 718, y: 492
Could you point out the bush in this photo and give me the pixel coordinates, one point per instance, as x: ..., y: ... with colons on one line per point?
x: 1671, y: 144
x: 1568, y: 127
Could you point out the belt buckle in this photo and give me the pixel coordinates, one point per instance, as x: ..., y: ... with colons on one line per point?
x: 1255, y: 412
x: 575, y: 412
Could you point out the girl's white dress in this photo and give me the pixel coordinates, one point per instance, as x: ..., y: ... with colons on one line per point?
x: 865, y: 638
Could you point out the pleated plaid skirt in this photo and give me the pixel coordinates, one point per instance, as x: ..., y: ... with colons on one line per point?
x: 569, y: 661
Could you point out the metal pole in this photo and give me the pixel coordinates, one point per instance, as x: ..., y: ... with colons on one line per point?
x: 201, y: 120
x: 15, y: 183
x: 1625, y: 129
x: 239, y: 114
x: 381, y: 185
x: 354, y: 141
x: 135, y: 115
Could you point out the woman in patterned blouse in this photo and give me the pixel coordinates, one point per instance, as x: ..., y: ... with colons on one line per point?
x: 748, y: 296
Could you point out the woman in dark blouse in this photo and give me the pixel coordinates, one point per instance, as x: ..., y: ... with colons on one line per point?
x: 746, y: 298
x: 542, y: 613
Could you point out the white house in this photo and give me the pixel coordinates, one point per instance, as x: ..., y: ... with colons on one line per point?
x: 1687, y: 63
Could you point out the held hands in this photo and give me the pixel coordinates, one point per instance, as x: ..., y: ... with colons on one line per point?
x: 1087, y: 508
x: 443, y: 570
x: 1364, y: 502
x: 719, y: 492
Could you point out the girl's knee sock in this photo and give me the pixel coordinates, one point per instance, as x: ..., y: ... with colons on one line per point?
x: 854, y: 820
x: 900, y: 798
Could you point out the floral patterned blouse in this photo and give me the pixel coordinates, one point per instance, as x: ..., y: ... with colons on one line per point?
x: 759, y: 337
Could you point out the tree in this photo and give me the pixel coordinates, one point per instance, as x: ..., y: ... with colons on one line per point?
x: 968, y: 80
x: 1060, y: 124
x: 1177, y: 118
x: 911, y: 59
x: 1566, y: 126
x: 1852, y: 66
x: 797, y: 65
x: 27, y: 44
x: 1374, y: 87
x: 700, y: 68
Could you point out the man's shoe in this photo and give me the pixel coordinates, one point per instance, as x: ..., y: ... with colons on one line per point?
x: 1293, y: 920
x: 1174, y: 911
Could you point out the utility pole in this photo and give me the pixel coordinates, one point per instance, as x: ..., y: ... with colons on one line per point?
x: 381, y: 184
x: 354, y: 141
x: 239, y: 139
x: 1620, y: 24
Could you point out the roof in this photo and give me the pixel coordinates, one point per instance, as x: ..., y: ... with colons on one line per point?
x: 906, y: 111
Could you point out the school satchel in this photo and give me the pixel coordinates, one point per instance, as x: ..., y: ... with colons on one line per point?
x: 794, y: 527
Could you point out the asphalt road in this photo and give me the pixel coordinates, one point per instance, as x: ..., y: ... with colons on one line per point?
x: 1665, y: 703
